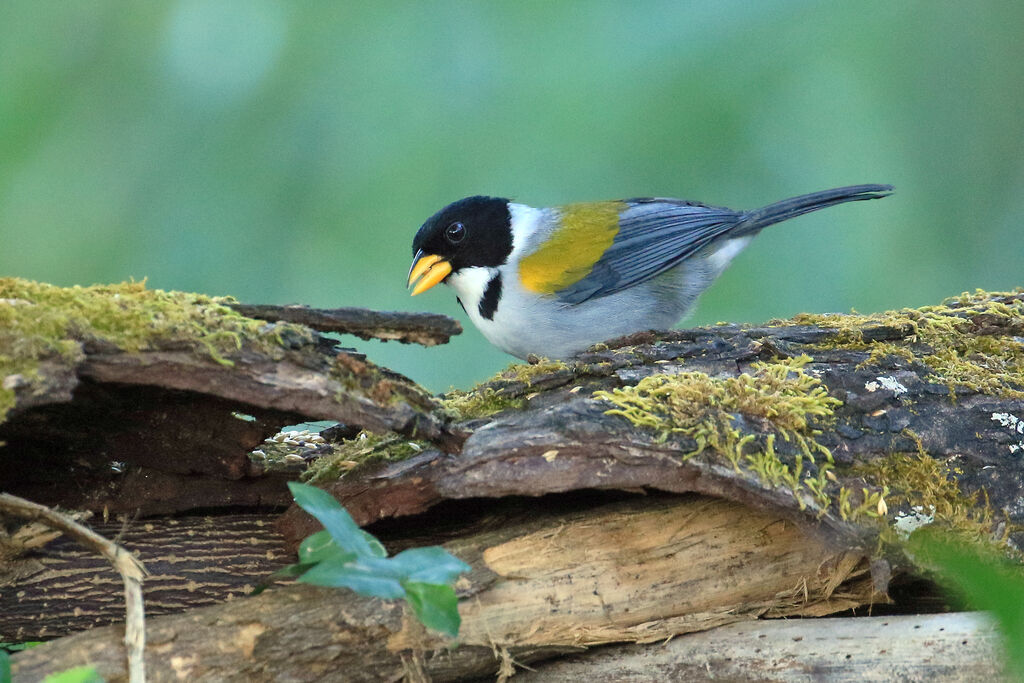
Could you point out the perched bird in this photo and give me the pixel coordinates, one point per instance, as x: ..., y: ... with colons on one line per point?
x: 554, y: 281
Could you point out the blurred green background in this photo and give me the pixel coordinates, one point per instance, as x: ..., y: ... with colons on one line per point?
x: 287, y: 152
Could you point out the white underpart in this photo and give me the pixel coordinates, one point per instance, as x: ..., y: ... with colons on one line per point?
x: 724, y: 255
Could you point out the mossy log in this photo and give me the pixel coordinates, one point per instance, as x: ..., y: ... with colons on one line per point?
x: 858, y: 427
x: 853, y: 428
x: 151, y: 401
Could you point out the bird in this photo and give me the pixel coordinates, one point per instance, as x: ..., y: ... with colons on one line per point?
x: 552, y: 282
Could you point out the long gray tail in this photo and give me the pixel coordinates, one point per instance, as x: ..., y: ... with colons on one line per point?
x: 753, y: 221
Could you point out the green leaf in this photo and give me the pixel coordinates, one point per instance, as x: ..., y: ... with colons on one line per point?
x: 17, y: 647
x: 321, y: 546
x: 433, y: 564
x: 5, y: 667
x: 357, y: 576
x: 336, y: 520
x: 376, y: 547
x: 434, y: 605
x: 79, y: 674
x: 983, y: 581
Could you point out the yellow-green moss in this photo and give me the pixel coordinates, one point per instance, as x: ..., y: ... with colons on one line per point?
x: 39, y: 321
x: 528, y: 372
x: 702, y: 407
x: 919, y: 482
x: 366, y: 448
x: 954, y: 349
x: 794, y: 404
x: 479, y: 402
x: 782, y: 394
x: 499, y: 393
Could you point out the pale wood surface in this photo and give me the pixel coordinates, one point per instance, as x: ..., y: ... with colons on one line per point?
x: 933, y: 648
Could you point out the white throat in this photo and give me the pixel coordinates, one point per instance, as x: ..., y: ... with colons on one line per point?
x: 470, y: 283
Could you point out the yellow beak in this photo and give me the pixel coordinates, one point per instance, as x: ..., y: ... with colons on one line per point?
x: 429, y: 270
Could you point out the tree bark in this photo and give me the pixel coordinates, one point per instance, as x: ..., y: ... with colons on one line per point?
x: 192, y: 562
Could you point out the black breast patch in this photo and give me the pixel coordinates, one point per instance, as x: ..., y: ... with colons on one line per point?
x: 489, y: 301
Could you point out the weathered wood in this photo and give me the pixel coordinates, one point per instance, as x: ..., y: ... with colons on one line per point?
x: 939, y: 648
x: 941, y: 385
x: 192, y: 561
x: 557, y: 436
x: 638, y: 570
x: 428, y: 329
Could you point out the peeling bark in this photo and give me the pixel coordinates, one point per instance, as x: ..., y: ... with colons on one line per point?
x: 427, y: 329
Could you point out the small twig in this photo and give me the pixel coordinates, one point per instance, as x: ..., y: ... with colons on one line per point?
x: 428, y: 329
x: 127, y: 565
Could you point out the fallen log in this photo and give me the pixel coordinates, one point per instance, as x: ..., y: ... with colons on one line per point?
x: 551, y: 581
x: 854, y: 427
x: 108, y: 380
x: 849, y: 430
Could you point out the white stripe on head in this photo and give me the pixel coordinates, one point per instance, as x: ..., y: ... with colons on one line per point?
x: 524, y: 221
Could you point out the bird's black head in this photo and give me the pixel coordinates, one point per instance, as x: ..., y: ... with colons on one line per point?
x: 475, y: 231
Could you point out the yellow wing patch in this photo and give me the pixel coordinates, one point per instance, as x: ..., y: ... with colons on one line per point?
x: 586, y: 232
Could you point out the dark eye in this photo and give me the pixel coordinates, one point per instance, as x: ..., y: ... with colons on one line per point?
x: 456, y: 232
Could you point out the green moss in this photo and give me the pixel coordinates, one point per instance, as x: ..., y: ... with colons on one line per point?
x: 504, y: 391
x: 40, y: 321
x: 479, y: 402
x: 921, y: 484
x: 703, y: 407
x: 953, y: 339
x: 780, y: 395
x: 528, y: 372
x: 793, y: 404
x: 364, y: 449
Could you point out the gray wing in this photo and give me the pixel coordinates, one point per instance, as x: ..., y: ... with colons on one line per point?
x: 654, y: 235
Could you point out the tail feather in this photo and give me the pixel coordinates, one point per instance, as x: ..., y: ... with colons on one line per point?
x: 754, y: 221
